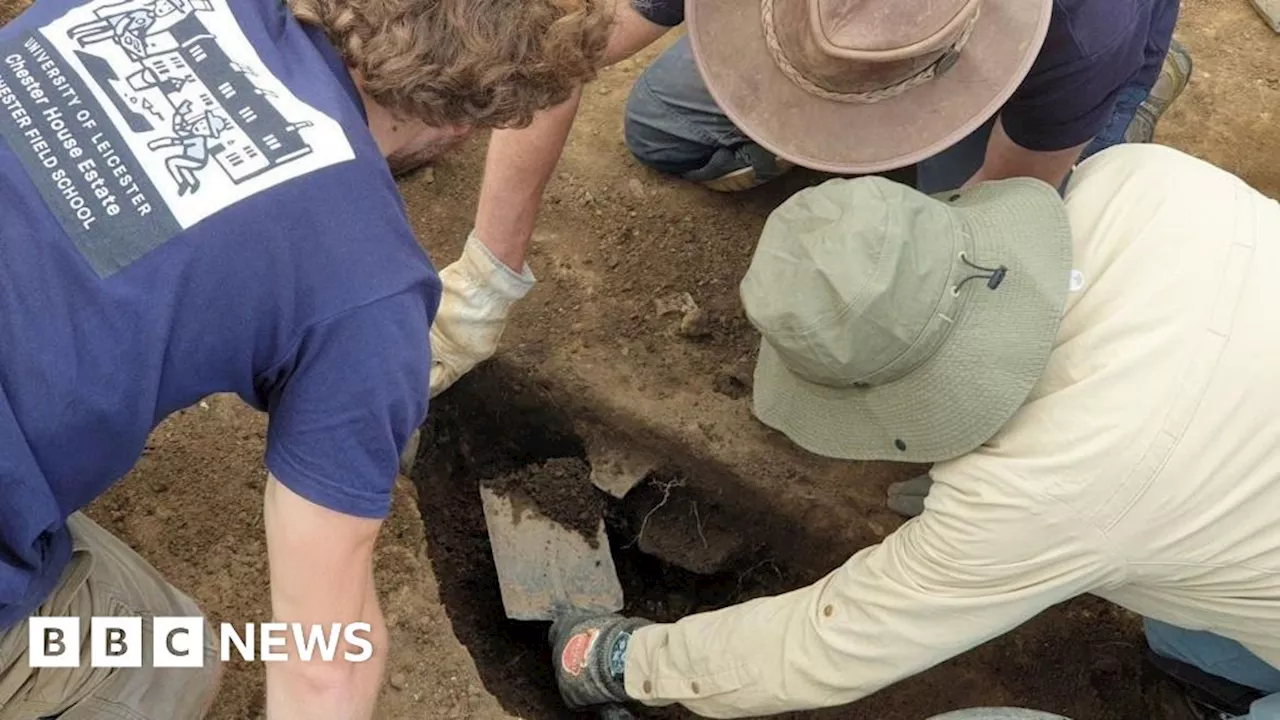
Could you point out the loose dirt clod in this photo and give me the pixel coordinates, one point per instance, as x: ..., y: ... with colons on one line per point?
x: 561, y: 490
x: 695, y: 324
x: 735, y: 379
x: 681, y: 303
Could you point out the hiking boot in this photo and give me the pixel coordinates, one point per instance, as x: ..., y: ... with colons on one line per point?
x: 1174, y: 76
x: 765, y: 166
x: 1185, y: 692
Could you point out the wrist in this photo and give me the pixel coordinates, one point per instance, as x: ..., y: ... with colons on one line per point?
x: 507, y: 241
x: 512, y: 256
x: 509, y: 282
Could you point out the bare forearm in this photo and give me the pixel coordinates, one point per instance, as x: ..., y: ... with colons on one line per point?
x: 322, y: 588
x: 518, y: 166
x: 520, y: 162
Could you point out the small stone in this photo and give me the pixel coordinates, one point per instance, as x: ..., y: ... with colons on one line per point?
x: 428, y: 175
x: 398, y: 681
x: 694, y: 324
x: 674, y: 303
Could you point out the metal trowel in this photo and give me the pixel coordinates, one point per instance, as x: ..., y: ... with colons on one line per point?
x: 545, y: 569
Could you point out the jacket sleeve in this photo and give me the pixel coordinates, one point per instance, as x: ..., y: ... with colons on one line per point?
x: 983, y: 558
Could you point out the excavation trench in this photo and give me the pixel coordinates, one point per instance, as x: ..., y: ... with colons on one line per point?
x: 709, y: 540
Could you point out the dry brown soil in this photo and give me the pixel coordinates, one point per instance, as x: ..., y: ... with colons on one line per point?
x: 613, y: 238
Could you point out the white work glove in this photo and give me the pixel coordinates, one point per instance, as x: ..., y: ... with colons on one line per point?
x: 478, y: 292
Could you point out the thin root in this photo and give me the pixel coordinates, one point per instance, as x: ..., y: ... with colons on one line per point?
x: 697, y: 520
x: 666, y: 496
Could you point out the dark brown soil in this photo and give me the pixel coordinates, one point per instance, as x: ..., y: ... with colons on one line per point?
x: 561, y: 490
x: 664, y: 516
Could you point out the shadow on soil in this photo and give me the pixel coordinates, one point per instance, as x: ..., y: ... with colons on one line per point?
x: 1081, y: 659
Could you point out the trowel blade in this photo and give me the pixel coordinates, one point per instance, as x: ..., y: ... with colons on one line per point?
x: 545, y: 568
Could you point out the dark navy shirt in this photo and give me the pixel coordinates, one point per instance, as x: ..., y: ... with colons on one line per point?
x: 1094, y: 48
x: 191, y: 202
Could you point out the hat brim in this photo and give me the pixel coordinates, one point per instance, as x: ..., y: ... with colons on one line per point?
x: 729, y: 47
x: 984, y: 371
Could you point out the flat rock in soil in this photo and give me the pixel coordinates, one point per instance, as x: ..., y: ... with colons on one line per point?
x: 616, y: 469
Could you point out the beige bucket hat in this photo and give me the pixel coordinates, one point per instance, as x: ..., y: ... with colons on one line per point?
x: 863, y: 86
x: 900, y: 326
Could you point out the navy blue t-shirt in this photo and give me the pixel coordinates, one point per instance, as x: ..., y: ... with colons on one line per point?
x: 191, y: 202
x: 1093, y: 49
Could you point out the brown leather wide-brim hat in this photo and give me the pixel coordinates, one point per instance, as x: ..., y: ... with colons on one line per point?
x: 863, y: 86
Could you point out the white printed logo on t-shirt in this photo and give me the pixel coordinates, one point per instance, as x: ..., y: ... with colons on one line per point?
x: 137, y: 119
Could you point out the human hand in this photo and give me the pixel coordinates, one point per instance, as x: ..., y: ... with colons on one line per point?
x: 478, y: 292
x: 588, y: 656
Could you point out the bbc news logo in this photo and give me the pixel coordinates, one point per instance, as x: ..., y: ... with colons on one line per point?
x: 178, y: 642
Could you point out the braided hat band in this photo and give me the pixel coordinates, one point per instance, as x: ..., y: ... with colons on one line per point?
x: 935, y: 69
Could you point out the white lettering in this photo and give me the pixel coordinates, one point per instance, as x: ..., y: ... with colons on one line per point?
x: 265, y: 634
x: 307, y: 646
x: 245, y: 646
x: 350, y: 633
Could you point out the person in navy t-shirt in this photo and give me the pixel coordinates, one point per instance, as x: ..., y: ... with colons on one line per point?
x: 197, y: 196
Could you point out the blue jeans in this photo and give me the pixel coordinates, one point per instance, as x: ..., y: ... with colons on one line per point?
x: 673, y: 125
x: 1219, y: 656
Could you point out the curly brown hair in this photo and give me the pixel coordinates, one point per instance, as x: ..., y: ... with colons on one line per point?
x: 482, y: 63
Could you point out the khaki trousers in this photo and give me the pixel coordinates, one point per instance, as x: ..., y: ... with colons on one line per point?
x: 106, y: 578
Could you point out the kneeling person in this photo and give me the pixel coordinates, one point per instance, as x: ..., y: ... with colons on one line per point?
x: 1096, y: 381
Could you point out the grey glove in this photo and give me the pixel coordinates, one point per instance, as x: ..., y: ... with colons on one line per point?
x: 588, y: 653
x: 907, y: 498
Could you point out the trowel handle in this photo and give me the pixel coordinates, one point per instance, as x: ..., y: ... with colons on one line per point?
x: 615, y: 712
